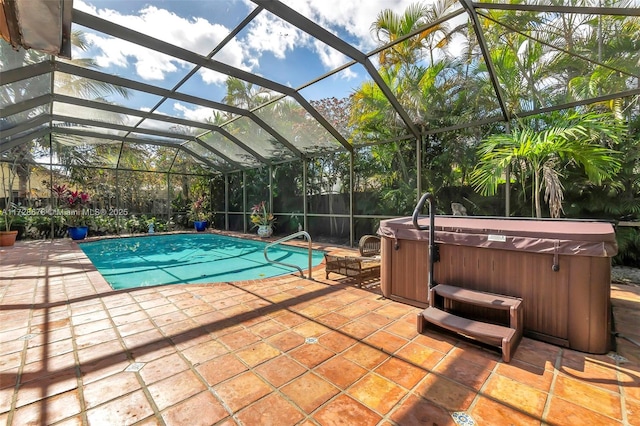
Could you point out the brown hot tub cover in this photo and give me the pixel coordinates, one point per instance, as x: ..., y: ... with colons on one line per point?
x: 560, y: 237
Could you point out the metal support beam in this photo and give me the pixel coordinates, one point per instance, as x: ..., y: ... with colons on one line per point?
x: 493, y: 76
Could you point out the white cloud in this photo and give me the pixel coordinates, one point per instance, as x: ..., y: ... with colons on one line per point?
x: 269, y: 33
x: 196, y: 114
x: 353, y: 16
x: 196, y: 34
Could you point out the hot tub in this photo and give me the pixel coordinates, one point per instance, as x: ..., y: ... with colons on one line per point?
x: 560, y: 268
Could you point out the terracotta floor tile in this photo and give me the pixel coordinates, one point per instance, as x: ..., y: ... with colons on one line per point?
x: 242, y: 390
x: 340, y: 371
x: 311, y: 329
x: 51, y: 385
x: 239, y: 339
x: 6, y: 395
x: 175, y: 330
x: 155, y: 300
x: 161, y: 368
x: 135, y: 327
x: 100, y: 351
x: 257, y: 354
x: 357, y: 329
x: 130, y: 317
x: 386, y: 341
x: 74, y: 421
x: 121, y: 411
x: 95, y: 338
x: 10, y: 347
x: 528, y: 374
x: 396, y: 310
x: 403, y: 328
x: 96, y: 313
x: 151, y: 351
x: 345, y: 410
x: 204, y: 351
x: 309, y: 391
x: 12, y: 360
x: 439, y: 342
x: 599, y: 370
x: 420, y: 355
x: 462, y: 371
x: 336, y: 341
x: 51, y: 349
x: 489, y: 412
x: 168, y: 316
x: 175, y: 388
x: 273, y: 410
x: 200, y: 410
x: 445, y: 393
x: 161, y: 310
x: 515, y: 394
x: 365, y: 355
x: 290, y: 319
x: 50, y: 365
x: 630, y: 380
x: 540, y: 354
x: 376, y: 320
x: 267, y: 328
x: 401, y: 372
x: 220, y: 369
x: 310, y: 355
x: 50, y: 411
x: 91, y: 327
x: 280, y: 370
x: 589, y: 396
x: 377, y: 393
x: 114, y: 386
x: 144, y: 338
x: 333, y: 319
x: 313, y: 311
x: 632, y: 411
x: 417, y: 411
x: 566, y: 412
x: 353, y: 311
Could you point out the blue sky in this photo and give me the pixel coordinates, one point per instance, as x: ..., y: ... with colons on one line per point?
x: 268, y: 46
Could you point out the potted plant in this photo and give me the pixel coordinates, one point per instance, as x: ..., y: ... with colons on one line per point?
x: 262, y: 220
x: 198, y: 213
x: 73, y: 203
x: 8, y: 236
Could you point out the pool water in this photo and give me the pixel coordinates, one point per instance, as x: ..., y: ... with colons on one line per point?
x: 191, y: 258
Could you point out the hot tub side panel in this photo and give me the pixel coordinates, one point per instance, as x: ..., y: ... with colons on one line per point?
x: 568, y: 307
x: 408, y: 266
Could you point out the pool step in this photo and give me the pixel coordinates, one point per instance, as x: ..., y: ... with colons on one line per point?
x: 505, y: 337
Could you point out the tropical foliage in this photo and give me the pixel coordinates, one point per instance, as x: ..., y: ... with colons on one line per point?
x: 575, y: 159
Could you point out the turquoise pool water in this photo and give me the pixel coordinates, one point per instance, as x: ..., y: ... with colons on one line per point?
x: 190, y: 258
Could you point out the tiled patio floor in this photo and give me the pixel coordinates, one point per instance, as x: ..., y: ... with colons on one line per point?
x: 277, y: 352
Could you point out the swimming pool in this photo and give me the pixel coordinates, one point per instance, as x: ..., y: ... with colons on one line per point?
x: 190, y: 258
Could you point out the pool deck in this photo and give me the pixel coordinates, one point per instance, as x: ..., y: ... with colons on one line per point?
x: 282, y: 351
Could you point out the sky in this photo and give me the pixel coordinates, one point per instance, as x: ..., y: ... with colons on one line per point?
x: 268, y: 46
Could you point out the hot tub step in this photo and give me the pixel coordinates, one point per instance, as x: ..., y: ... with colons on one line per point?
x: 478, y: 298
x: 497, y: 335
x: 482, y: 299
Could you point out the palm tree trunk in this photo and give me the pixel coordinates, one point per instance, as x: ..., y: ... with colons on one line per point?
x: 536, y: 191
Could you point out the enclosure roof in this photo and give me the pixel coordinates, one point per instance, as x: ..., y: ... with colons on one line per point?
x: 228, y: 85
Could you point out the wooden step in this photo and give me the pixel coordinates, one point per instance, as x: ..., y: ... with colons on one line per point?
x: 504, y: 337
x: 478, y: 298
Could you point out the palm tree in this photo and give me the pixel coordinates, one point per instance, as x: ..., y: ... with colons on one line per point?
x: 64, y: 83
x: 390, y: 26
x: 570, y: 140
